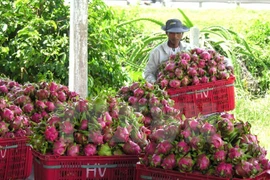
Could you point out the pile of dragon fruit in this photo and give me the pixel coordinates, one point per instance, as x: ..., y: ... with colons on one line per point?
x: 14, y: 121
x: 152, y: 103
x: 218, y: 145
x: 192, y: 67
x: 60, y: 122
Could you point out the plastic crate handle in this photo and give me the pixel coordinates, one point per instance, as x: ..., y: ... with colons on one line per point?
x: 202, y: 90
x: 5, y: 148
x: 82, y: 166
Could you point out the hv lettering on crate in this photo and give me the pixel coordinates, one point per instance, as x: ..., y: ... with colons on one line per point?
x: 98, y: 170
x: 204, y: 93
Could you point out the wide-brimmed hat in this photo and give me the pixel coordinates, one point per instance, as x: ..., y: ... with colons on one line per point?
x: 174, y: 25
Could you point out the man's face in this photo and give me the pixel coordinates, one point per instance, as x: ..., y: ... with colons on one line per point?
x: 174, y: 37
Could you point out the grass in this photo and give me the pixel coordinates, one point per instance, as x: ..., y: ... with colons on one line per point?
x: 235, y: 19
x: 255, y: 111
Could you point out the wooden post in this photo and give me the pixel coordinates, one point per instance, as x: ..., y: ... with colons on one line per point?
x: 195, y: 36
x: 78, y: 51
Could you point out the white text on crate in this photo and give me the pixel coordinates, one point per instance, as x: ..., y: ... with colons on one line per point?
x: 96, y: 171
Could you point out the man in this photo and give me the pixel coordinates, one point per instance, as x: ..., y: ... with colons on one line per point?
x: 175, y: 31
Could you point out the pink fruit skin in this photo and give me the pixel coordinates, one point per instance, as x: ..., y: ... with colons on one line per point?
x: 169, y: 162
x: 73, y: 150
x: 51, y: 134
x: 90, y: 150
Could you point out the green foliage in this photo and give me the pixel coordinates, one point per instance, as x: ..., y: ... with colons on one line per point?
x: 259, y: 63
x: 34, y: 43
x: 107, y: 46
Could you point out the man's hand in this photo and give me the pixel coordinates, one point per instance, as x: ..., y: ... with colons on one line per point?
x: 230, y: 68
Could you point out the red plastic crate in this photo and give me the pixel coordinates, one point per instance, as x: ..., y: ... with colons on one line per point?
x: 146, y: 173
x: 207, y: 98
x: 49, y: 167
x: 15, y: 158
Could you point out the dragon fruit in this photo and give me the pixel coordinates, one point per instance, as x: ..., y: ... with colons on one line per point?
x: 154, y: 101
x: 185, y: 56
x: 164, y: 147
x: 134, y: 86
x: 221, y: 67
x: 243, y: 169
x: 67, y: 127
x: 17, y: 123
x: 225, y: 126
x: 62, y: 97
x: 28, y: 108
x: 208, y: 129
x: 195, y: 80
x: 179, y: 73
x: 80, y: 138
x: 131, y: 148
x: 59, y: 148
x: 156, y: 112
x: 81, y: 105
x: 265, y: 163
x: 157, y: 135
x: 196, y: 142
x: 205, y: 56
x: 51, y: 133
x: 175, y: 83
x: 3, y: 89
x: 50, y: 107
x: 40, y: 105
x: 192, y: 72
x: 3, y: 128
x: 212, y: 71
x: 220, y: 156
x: 164, y: 83
x: 202, y: 162
x: 73, y: 150
x: 54, y: 119
x: 223, y: 75
x: 142, y: 101
x: 172, y: 132
x: 185, y: 164
x: 17, y: 111
x: 95, y: 137
x: 213, y: 79
x: 133, y: 100
x: 42, y: 94
x: 107, y: 134
x: 83, y: 124
x: 183, y: 63
x: 170, y: 66
x: 216, y: 141
x: 235, y: 154
x: 104, y: 150
x: 185, y: 81
x: 204, y: 79
x: 182, y: 147
x: 121, y: 134
x: 156, y: 160
x: 201, y: 65
x: 7, y: 114
x: 169, y: 162
x: 150, y: 148
x: 22, y: 100
x: 138, y: 92
x: 224, y: 170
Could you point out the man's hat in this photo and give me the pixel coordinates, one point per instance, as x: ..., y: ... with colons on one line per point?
x: 174, y: 25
